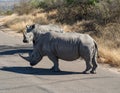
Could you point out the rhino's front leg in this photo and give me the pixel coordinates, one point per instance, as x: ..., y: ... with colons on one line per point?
x: 54, y: 59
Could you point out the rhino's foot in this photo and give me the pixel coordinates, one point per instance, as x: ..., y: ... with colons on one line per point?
x: 93, y: 72
x: 84, y: 72
x: 54, y: 69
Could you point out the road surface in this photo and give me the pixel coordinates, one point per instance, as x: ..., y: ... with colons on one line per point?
x: 16, y: 75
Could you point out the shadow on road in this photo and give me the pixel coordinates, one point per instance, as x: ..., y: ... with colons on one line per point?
x: 36, y: 71
x: 11, y: 50
x: 42, y: 71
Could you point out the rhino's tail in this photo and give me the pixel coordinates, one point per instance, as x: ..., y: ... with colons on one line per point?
x: 96, y: 49
x: 94, y: 59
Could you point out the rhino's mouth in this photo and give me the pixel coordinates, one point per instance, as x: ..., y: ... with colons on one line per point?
x: 32, y: 64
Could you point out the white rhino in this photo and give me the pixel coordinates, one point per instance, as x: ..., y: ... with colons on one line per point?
x: 65, y: 46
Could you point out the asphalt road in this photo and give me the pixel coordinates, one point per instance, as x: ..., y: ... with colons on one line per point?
x: 16, y: 75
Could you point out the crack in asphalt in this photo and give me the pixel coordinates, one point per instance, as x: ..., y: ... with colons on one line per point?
x: 25, y: 86
x: 37, y: 85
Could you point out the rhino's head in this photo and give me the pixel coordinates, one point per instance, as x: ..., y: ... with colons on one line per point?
x: 33, y: 59
x: 28, y: 33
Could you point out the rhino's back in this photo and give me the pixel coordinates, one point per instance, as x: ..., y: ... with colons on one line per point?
x: 48, y: 28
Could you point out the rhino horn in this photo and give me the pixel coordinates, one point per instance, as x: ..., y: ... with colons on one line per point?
x: 25, y: 58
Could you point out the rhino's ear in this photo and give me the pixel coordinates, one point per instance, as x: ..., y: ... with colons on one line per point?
x: 33, y: 26
x: 30, y: 26
x: 27, y: 26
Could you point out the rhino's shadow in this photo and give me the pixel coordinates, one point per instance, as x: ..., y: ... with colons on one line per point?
x: 36, y: 71
x: 11, y: 50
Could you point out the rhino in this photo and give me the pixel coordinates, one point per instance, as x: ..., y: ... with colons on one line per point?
x: 28, y: 35
x: 66, y: 46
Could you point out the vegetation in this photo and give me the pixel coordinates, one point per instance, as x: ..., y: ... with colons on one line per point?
x: 99, y: 18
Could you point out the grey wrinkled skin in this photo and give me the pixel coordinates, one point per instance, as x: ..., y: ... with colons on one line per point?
x: 28, y: 35
x: 65, y: 46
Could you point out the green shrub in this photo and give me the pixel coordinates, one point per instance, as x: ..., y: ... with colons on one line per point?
x: 38, y: 3
x: 69, y: 1
x: 93, y: 2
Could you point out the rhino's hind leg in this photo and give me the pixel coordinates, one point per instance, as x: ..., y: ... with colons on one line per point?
x: 94, y: 63
x: 88, y: 65
x: 93, y: 71
x: 55, y: 62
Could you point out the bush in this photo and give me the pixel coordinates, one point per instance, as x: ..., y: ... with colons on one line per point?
x: 24, y: 7
x: 93, y: 2
x: 8, y: 12
x: 103, y: 12
x: 70, y: 14
x: 37, y: 3
x: 108, y: 11
x: 46, y: 4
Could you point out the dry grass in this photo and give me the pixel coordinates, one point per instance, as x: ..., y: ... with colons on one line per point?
x: 19, y: 27
x: 6, y: 19
x: 40, y: 18
x: 18, y: 23
x: 109, y: 56
x: 109, y: 44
